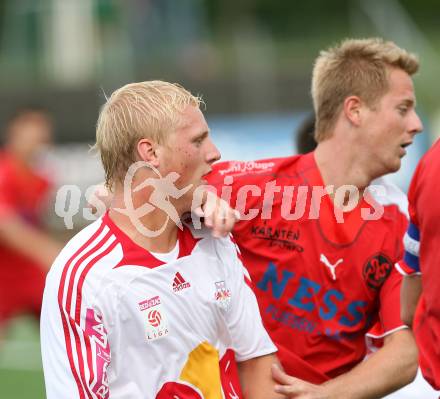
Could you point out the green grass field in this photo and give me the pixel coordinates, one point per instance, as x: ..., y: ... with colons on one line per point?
x: 21, y: 375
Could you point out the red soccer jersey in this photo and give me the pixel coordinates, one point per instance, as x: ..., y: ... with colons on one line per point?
x: 422, y: 256
x: 320, y: 284
x: 22, y: 193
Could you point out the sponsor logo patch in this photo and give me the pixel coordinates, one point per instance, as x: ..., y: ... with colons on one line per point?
x: 101, y: 355
x: 179, y: 283
x: 277, y: 237
x: 331, y: 266
x: 249, y: 166
x: 156, y: 323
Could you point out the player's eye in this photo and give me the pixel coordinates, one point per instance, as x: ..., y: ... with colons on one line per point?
x: 198, y: 141
x: 403, y: 110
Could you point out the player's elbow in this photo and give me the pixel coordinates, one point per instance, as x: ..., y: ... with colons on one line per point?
x: 403, y: 349
x: 410, y: 356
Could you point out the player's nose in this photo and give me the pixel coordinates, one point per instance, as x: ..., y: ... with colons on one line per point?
x: 416, y: 125
x: 212, y: 154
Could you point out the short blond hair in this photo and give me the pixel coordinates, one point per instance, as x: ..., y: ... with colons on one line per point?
x: 135, y: 111
x: 356, y: 67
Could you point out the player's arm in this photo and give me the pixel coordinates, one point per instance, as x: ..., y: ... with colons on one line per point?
x: 74, y: 344
x: 29, y: 241
x: 410, y: 294
x: 254, y: 351
x: 392, y: 366
x: 388, y: 369
x: 256, y: 379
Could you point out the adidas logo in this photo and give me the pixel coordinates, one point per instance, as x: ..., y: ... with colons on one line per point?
x: 179, y: 283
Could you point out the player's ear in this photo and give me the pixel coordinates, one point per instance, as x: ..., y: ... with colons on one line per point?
x: 147, y: 151
x: 352, y: 109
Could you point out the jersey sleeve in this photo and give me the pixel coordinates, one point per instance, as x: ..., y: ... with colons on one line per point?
x: 243, y: 319
x: 74, y: 344
x: 389, y: 296
x: 389, y: 312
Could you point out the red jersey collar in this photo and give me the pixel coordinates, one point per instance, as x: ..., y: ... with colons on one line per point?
x: 339, y: 233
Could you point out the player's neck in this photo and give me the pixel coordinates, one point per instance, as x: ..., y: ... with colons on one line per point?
x: 340, y: 164
x: 153, y: 229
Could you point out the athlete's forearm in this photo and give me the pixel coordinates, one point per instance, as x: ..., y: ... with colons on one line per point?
x: 256, y: 379
x: 390, y: 368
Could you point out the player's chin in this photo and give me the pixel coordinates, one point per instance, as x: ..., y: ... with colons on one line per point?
x: 394, y: 165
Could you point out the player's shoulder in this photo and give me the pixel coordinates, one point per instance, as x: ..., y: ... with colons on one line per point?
x: 433, y: 154
x: 423, y: 192
x: 262, y: 167
x: 389, y: 195
x: 428, y: 166
x: 86, y: 247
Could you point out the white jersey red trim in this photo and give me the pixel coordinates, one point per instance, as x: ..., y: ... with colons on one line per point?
x: 114, y: 325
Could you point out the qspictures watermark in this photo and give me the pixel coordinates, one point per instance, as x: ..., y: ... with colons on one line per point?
x: 291, y: 202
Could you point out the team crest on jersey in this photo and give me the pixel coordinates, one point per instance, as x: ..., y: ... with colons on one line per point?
x: 376, y: 270
x: 156, y: 323
x: 222, y: 295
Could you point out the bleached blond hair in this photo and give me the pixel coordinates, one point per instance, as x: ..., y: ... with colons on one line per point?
x: 150, y: 110
x: 356, y: 67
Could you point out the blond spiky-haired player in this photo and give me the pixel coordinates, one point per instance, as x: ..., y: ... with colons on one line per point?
x: 136, y: 307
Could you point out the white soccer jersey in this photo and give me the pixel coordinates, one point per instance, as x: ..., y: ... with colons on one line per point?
x: 119, y: 323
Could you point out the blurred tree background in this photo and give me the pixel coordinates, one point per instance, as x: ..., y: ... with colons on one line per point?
x: 248, y: 56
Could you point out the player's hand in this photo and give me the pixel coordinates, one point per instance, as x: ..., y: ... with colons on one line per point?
x: 217, y: 214
x: 292, y: 387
